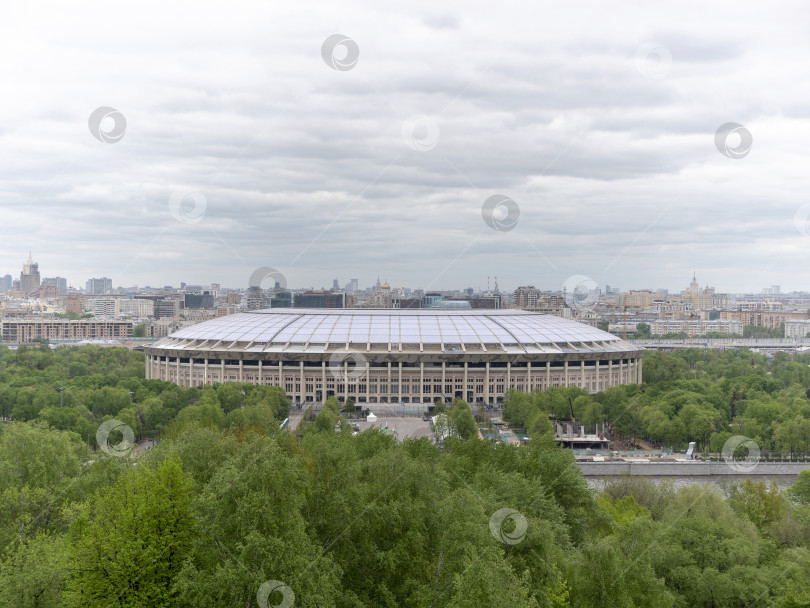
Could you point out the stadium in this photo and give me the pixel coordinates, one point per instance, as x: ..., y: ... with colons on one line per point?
x: 395, y: 356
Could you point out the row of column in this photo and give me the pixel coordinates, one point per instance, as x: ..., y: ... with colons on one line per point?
x: 366, y: 373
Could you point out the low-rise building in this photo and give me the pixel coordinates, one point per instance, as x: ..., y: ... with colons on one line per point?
x: 18, y: 331
x: 797, y: 328
x: 696, y: 327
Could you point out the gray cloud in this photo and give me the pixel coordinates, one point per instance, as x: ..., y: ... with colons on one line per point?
x: 304, y: 168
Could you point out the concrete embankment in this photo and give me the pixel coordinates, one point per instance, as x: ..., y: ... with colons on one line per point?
x: 691, y: 469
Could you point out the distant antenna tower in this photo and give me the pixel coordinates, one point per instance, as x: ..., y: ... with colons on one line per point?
x: 487, y: 282
x: 496, y: 284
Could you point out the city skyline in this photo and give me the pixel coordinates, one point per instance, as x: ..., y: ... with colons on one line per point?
x: 373, y: 154
x: 492, y: 282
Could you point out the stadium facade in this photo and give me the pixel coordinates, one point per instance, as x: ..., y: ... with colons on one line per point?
x: 395, y: 356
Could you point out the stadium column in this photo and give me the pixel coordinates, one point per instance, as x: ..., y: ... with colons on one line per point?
x: 508, y: 375
x: 444, y: 386
x: 147, y: 366
x: 610, y: 373
x: 240, y: 370
x: 260, y: 373
x: 323, y: 382
x: 400, y: 381
x: 345, y: 379
x: 388, y: 386
x: 548, y: 373
x: 166, y: 370
x: 421, y: 381
x: 368, y: 383
x: 565, y: 372
x: 466, y: 386
x: 190, y: 370
x: 222, y: 370
x: 582, y: 375
x: 281, y: 376
x: 639, y: 370
x: 302, y: 387
x: 205, y: 371
x: 528, y: 376
x: 486, y: 384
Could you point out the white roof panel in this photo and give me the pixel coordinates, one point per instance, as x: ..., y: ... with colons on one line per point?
x: 413, y: 326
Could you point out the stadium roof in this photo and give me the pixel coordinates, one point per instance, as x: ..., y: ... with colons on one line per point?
x: 318, y: 329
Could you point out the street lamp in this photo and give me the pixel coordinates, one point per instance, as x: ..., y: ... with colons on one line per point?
x: 61, y: 390
x: 131, y: 396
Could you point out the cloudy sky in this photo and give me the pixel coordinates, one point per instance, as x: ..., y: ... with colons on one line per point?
x: 242, y: 135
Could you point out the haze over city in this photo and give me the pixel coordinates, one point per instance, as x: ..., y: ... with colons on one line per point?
x: 248, y: 143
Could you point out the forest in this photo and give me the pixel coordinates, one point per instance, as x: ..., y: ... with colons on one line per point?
x: 230, y: 510
x: 701, y: 395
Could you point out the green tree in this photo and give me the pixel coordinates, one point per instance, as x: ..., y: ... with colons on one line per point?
x: 760, y: 503
x: 129, y: 542
x: 800, y: 490
x: 34, y: 571
x: 463, y: 420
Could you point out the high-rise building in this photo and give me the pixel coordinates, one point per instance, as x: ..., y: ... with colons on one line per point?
x: 59, y: 283
x: 167, y: 309
x: 104, y: 308
x: 6, y: 283
x: 199, y: 300
x: 98, y: 287
x: 29, y: 277
x: 134, y: 307
x: 74, y: 304
x: 320, y: 299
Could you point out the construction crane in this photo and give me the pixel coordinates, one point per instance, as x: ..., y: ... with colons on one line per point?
x: 692, y: 315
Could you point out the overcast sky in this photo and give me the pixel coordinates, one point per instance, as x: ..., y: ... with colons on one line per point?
x: 249, y: 143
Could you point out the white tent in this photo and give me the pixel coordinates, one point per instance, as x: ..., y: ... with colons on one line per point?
x: 371, y: 418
